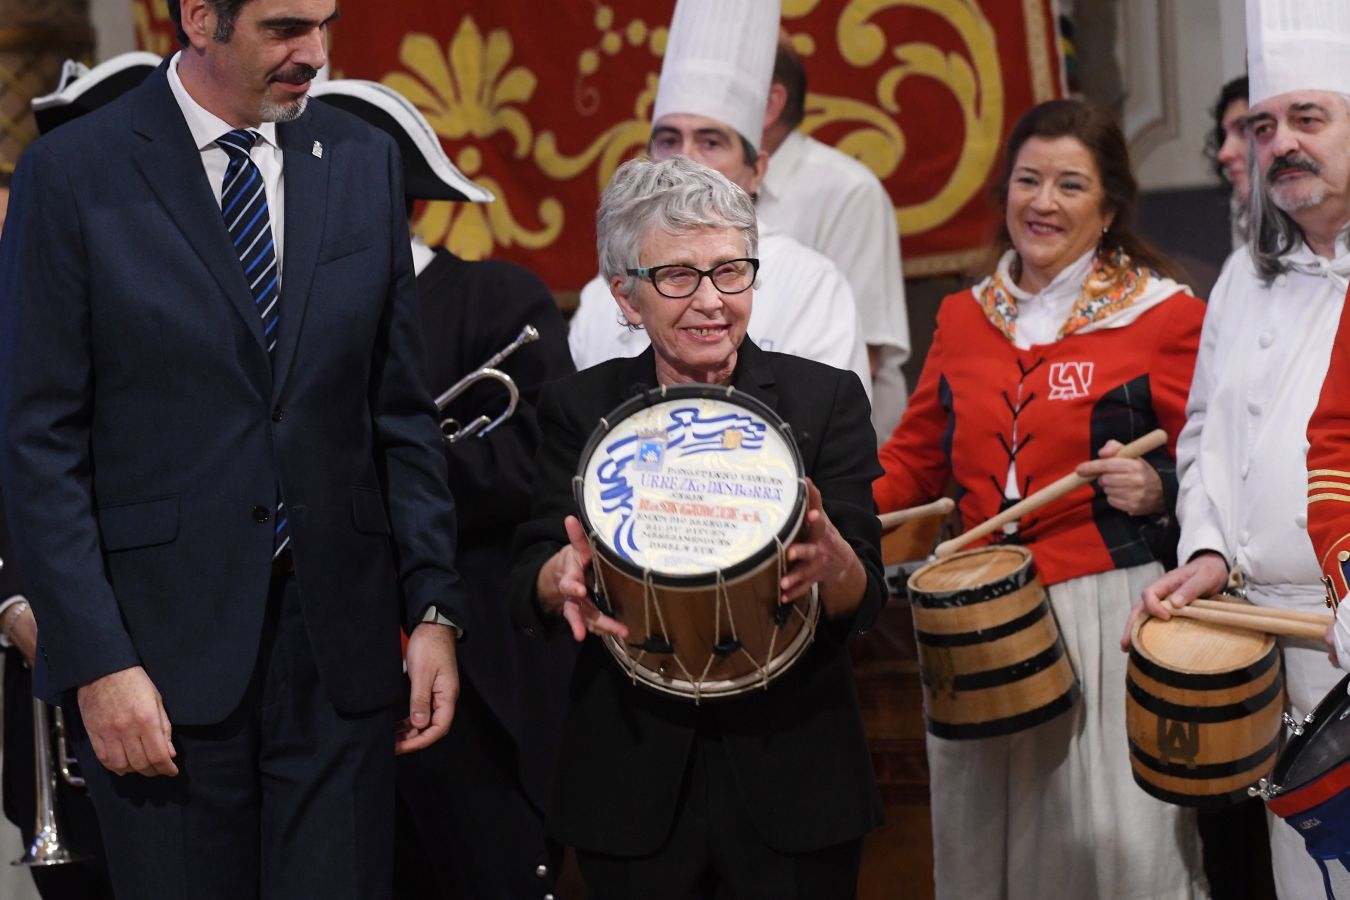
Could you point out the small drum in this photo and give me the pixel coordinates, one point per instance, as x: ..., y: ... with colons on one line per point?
x: 990, y: 653
x: 1202, y: 710
x: 689, y: 495
x: 1308, y: 788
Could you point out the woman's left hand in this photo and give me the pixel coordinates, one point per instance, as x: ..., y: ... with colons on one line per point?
x: 1131, y: 485
x: 820, y: 555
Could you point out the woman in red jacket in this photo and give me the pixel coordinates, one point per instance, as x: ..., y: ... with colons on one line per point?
x: 1076, y: 344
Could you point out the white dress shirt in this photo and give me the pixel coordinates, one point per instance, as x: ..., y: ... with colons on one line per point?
x: 1041, y: 314
x: 835, y: 205
x: 802, y: 306
x: 1242, y: 457
x: 206, y: 127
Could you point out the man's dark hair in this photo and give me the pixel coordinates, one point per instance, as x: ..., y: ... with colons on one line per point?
x: 790, y: 72
x: 227, y: 11
x: 1233, y: 90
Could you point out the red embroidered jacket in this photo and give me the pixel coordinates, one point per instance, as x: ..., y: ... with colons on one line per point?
x: 1329, y: 465
x: 981, y: 403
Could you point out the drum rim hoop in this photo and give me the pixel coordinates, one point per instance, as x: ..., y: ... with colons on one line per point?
x: 1322, y: 714
x: 727, y: 393
x: 1236, y: 674
x: 722, y: 689
x: 967, y: 596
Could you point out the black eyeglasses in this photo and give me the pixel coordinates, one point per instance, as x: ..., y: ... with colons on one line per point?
x: 677, y: 282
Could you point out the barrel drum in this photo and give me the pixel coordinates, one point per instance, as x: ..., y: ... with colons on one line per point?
x: 1203, y: 708
x: 990, y: 653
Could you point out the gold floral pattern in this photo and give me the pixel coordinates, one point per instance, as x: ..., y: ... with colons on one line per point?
x: 471, y: 90
x: 548, y: 104
x: 974, y: 81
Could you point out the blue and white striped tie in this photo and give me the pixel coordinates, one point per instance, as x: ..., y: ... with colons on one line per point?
x: 243, y: 202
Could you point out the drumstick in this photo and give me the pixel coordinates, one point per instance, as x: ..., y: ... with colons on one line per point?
x: 1292, y: 615
x: 1051, y: 492
x: 1283, y: 625
x: 893, y: 520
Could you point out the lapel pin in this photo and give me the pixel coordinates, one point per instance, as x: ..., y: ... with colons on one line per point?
x: 317, y: 150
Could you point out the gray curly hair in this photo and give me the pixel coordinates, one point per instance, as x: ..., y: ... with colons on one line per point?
x: 674, y: 194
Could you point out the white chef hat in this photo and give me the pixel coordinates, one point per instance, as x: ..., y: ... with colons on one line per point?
x: 1297, y: 45
x: 719, y: 63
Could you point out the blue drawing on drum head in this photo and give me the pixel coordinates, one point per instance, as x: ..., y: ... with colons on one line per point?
x: 719, y: 434
x: 688, y: 434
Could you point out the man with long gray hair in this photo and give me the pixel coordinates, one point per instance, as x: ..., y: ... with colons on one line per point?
x: 1263, y: 355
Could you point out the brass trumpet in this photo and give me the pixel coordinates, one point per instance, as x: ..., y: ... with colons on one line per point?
x: 49, y: 847
x: 450, y: 427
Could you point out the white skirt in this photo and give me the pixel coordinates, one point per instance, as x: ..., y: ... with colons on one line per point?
x: 1053, y: 811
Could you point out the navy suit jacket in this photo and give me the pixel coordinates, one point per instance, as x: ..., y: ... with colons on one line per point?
x: 146, y: 429
x: 797, y: 749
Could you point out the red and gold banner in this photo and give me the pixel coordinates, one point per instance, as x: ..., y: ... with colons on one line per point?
x: 540, y: 102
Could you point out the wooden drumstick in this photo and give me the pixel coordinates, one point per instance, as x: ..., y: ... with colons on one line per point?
x: 1051, y: 492
x: 1270, y: 621
x: 1223, y: 602
x: 893, y: 520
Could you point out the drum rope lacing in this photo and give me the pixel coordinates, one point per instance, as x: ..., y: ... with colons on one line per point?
x: 649, y: 601
x: 599, y: 589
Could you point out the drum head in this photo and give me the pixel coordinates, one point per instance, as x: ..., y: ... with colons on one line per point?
x: 973, y: 568
x: 1323, y: 745
x: 688, y: 481
x: 1191, y: 647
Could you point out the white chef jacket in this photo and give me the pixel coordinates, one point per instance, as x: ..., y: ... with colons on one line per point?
x: 1242, y: 457
x: 835, y: 205
x: 802, y: 306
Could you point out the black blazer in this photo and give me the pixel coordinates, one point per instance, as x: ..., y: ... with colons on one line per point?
x: 470, y: 311
x: 146, y: 429
x: 797, y: 749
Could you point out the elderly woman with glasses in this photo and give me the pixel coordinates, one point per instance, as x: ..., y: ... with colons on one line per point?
x: 766, y: 794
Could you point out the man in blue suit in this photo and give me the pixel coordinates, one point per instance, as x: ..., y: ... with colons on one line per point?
x: 222, y: 469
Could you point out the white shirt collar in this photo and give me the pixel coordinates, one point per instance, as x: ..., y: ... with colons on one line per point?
x: 1303, y: 259
x: 422, y: 255
x: 204, y: 125
x: 1066, y: 285
x: 783, y: 164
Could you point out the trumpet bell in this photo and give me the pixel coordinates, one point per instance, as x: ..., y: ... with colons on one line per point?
x: 48, y: 849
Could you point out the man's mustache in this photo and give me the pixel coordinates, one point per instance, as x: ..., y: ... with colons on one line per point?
x: 297, y: 74
x: 1292, y: 163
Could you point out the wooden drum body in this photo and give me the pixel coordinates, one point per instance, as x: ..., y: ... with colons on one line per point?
x: 990, y: 653
x: 1203, y: 707
x: 689, y: 495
